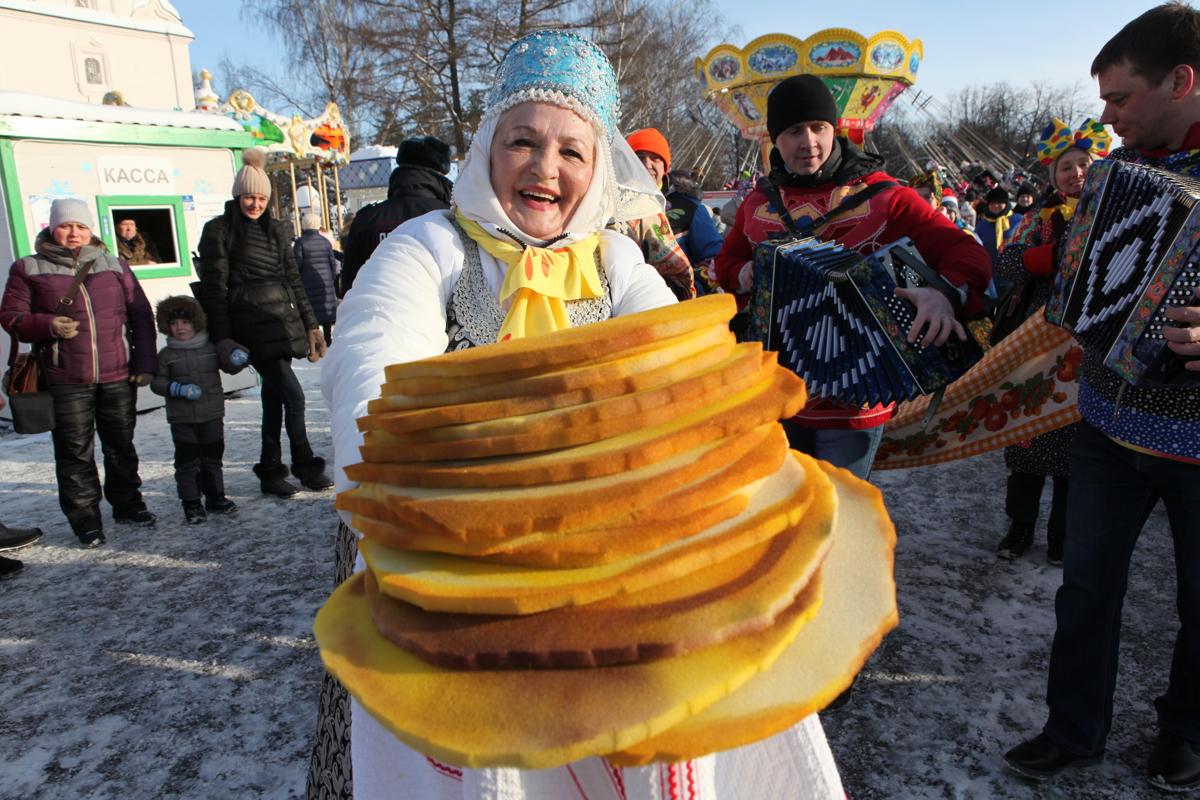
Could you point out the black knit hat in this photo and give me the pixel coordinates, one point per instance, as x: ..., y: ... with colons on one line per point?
x: 424, y: 151
x: 998, y: 195
x: 800, y: 98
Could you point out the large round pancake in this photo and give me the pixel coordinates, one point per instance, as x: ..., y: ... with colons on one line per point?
x: 533, y: 719
x: 504, y: 513
x: 737, y: 596
x: 706, y: 500
x: 737, y: 414
x: 776, y: 389
x: 438, y: 582
x: 570, y: 549
x: 651, y: 372
x: 744, y: 367
x: 616, y: 365
x: 576, y: 345
x: 858, y: 609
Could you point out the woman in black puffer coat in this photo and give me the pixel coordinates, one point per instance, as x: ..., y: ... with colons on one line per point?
x: 252, y: 293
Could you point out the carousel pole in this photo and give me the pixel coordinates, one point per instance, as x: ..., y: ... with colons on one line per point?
x: 337, y: 196
x: 275, y: 197
x: 295, y: 205
x: 308, y: 180
x: 324, y: 195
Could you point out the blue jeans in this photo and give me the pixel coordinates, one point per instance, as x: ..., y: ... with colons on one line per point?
x: 852, y: 449
x: 1113, y: 490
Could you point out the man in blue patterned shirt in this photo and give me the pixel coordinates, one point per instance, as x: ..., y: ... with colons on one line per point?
x: 1134, y: 447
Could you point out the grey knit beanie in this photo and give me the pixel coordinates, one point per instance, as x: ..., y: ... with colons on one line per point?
x: 252, y: 178
x: 70, y: 209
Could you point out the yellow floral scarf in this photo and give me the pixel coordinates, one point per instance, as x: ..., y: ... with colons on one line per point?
x: 539, y: 280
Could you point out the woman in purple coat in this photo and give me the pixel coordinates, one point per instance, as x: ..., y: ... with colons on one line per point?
x: 95, y: 353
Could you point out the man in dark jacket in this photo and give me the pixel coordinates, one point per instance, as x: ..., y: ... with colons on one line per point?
x: 317, y: 265
x: 418, y: 185
x: 1135, y: 446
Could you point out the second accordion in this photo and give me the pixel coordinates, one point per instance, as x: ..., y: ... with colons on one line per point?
x: 1130, y: 254
x: 833, y: 317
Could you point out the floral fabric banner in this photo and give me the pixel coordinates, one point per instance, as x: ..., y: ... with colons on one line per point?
x: 1023, y: 387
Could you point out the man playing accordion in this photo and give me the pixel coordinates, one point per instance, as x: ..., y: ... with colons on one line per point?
x: 842, y: 194
x: 1134, y: 446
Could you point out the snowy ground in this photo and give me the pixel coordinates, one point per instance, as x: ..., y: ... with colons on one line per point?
x: 178, y: 661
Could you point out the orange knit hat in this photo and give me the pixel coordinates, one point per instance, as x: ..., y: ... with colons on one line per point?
x: 649, y: 140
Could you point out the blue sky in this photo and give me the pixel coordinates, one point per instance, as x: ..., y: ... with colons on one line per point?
x: 966, y: 44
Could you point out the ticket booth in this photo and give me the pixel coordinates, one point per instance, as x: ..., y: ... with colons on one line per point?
x: 165, y: 173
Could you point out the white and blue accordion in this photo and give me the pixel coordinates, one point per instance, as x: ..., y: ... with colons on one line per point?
x: 834, y: 318
x: 1130, y: 254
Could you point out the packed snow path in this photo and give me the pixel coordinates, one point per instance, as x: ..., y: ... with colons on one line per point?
x: 179, y: 662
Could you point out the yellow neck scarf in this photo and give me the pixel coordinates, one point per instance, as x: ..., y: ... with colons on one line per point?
x: 539, y: 280
x: 1002, y: 224
x: 1067, y: 209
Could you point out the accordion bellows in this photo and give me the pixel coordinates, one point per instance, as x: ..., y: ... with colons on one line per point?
x: 1131, y: 253
x: 607, y: 553
x: 834, y: 318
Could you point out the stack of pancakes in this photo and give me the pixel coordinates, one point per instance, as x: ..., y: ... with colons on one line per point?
x: 598, y: 543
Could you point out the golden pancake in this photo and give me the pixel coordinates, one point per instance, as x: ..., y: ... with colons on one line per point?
x: 776, y: 390
x: 857, y: 610
x: 481, y: 515
x: 438, y: 582
x: 580, y: 345
x: 737, y: 596
x: 682, y: 513
x: 619, y: 365
x: 467, y: 407
x: 744, y: 367
x: 522, y: 718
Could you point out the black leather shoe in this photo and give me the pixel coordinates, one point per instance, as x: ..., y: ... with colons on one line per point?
x: 1174, y: 764
x: 1040, y: 758
x: 140, y: 516
x: 91, y: 539
x: 10, y: 567
x: 13, y: 538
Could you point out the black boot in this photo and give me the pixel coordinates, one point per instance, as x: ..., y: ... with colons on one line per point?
x: 10, y: 567
x: 220, y: 504
x: 1018, y: 540
x: 14, y: 538
x: 273, y: 479
x: 1054, y: 546
x: 1056, y: 530
x: 312, y: 475
x: 194, y: 512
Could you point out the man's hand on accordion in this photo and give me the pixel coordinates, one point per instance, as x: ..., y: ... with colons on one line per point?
x: 1185, y: 340
x: 935, y: 320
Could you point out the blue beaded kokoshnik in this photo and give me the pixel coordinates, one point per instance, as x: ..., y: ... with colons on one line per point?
x: 559, y: 61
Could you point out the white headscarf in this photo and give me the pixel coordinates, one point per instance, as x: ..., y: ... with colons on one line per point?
x: 620, y: 190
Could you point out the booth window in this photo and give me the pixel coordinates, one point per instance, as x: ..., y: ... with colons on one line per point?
x: 91, y: 67
x: 148, y: 231
x: 145, y: 236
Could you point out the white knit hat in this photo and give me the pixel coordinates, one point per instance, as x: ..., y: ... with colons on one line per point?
x: 252, y: 178
x: 70, y: 209
x: 311, y: 221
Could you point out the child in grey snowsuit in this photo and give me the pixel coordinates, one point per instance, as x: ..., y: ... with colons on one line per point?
x: 189, y: 377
